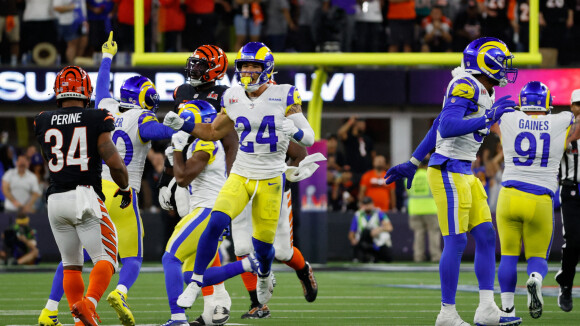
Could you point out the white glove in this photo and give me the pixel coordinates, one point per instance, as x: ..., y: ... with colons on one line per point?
x: 173, y: 121
x: 289, y: 128
x: 165, y: 196
x: 182, y: 201
x: 179, y: 140
x: 169, y: 154
x: 305, y: 169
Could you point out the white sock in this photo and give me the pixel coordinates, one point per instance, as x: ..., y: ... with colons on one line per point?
x: 486, y: 296
x: 94, y: 301
x: 447, y: 308
x: 51, y: 305
x: 122, y: 288
x: 197, y: 278
x: 507, y: 300
x: 246, y: 264
x: 180, y: 316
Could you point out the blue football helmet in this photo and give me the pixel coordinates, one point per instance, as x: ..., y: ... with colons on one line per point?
x: 138, y: 92
x: 491, y: 57
x: 198, y: 110
x: 535, y: 96
x: 255, y: 52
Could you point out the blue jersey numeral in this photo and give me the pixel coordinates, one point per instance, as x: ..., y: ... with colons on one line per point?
x: 268, y: 124
x: 128, y: 144
x: 529, y: 155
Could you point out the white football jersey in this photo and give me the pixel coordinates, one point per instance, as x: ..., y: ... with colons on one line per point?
x: 129, y: 144
x: 263, y: 145
x: 533, y: 146
x: 204, y: 189
x: 465, y: 147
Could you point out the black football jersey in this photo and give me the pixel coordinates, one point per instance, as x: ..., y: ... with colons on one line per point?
x: 185, y: 93
x: 68, y: 138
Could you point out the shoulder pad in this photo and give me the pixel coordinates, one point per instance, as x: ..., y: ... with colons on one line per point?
x: 464, y: 87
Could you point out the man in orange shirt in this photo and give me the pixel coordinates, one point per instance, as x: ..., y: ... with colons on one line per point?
x: 373, y: 185
x: 401, y: 17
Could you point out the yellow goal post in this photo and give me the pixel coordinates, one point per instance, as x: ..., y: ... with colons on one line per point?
x: 322, y: 61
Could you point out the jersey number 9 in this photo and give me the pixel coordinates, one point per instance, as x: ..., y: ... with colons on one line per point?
x: 529, y: 155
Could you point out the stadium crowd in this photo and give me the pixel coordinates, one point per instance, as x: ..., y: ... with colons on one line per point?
x: 75, y: 28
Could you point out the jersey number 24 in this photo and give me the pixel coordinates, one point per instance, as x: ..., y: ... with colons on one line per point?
x: 268, y: 123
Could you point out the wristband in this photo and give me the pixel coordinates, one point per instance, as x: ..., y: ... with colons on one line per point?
x: 188, y: 126
x: 298, y: 135
x: 415, y: 161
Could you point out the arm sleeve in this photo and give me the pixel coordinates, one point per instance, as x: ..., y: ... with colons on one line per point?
x: 103, y: 81
x: 300, y: 121
x: 429, y: 142
x: 154, y: 130
x: 451, y: 123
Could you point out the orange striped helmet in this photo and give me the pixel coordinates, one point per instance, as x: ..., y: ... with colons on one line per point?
x: 73, y: 82
x: 206, y: 64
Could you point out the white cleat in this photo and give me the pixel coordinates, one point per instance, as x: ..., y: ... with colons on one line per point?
x: 220, y: 315
x: 491, y: 315
x: 450, y: 319
x: 265, y: 287
x: 535, y: 299
x: 187, y: 298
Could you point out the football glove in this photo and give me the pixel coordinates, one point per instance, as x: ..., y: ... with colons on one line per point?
x: 173, y: 121
x: 165, y: 194
x: 404, y: 170
x: 109, y: 48
x: 169, y: 154
x: 501, y: 106
x: 126, y: 196
x: 179, y: 141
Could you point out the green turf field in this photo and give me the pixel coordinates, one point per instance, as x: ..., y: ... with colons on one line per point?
x: 345, y: 298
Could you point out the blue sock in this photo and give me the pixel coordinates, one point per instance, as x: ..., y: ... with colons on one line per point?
x: 484, y: 235
x: 449, y: 265
x: 130, y: 271
x: 57, y: 290
x: 265, y: 255
x: 173, y: 281
x: 538, y: 265
x: 187, y: 277
x: 208, y: 241
x: 215, y: 275
x: 507, y: 273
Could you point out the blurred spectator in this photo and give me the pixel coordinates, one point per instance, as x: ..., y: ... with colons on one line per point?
x: 422, y: 10
x: 369, y: 26
x: 466, y: 26
x: 369, y: 233
x: 37, y: 166
x: 277, y: 24
x: 330, y: 28
x: 225, y: 19
x: 401, y: 18
x: 498, y: 17
x: 372, y: 184
x: 20, y: 187
x: 99, y: 14
x: 423, y: 217
x: 171, y: 24
x: 125, y: 31
x: 556, y: 20
x: 39, y: 25
x: 248, y: 21
x: 347, y: 29
x: 358, y: 147
x: 437, y: 32
x: 522, y: 25
x: 344, y: 191
x: 20, y: 243
x: 309, y: 18
x: 200, y: 23
x: 335, y: 158
x: 574, y: 48
x: 72, y: 27
x: 10, y: 25
x: 6, y: 163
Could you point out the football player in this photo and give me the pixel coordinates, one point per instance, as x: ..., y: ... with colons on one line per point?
x: 533, y: 143
x: 469, y: 109
x: 75, y: 141
x: 266, y: 117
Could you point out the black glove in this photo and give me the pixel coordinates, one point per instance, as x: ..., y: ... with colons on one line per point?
x: 127, y: 196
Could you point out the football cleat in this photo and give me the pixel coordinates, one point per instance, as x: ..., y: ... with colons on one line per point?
x: 565, y: 298
x: 509, y: 312
x: 118, y: 300
x: 535, y: 300
x: 491, y: 315
x: 261, y: 311
x: 48, y: 318
x: 172, y: 322
x: 309, y: 284
x: 265, y: 287
x: 84, y: 310
x: 220, y: 315
x: 187, y: 298
x: 449, y: 319
x: 198, y: 322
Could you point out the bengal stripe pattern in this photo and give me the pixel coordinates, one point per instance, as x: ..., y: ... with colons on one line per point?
x: 216, y: 59
x: 73, y: 82
x: 291, y: 219
x: 108, y: 233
